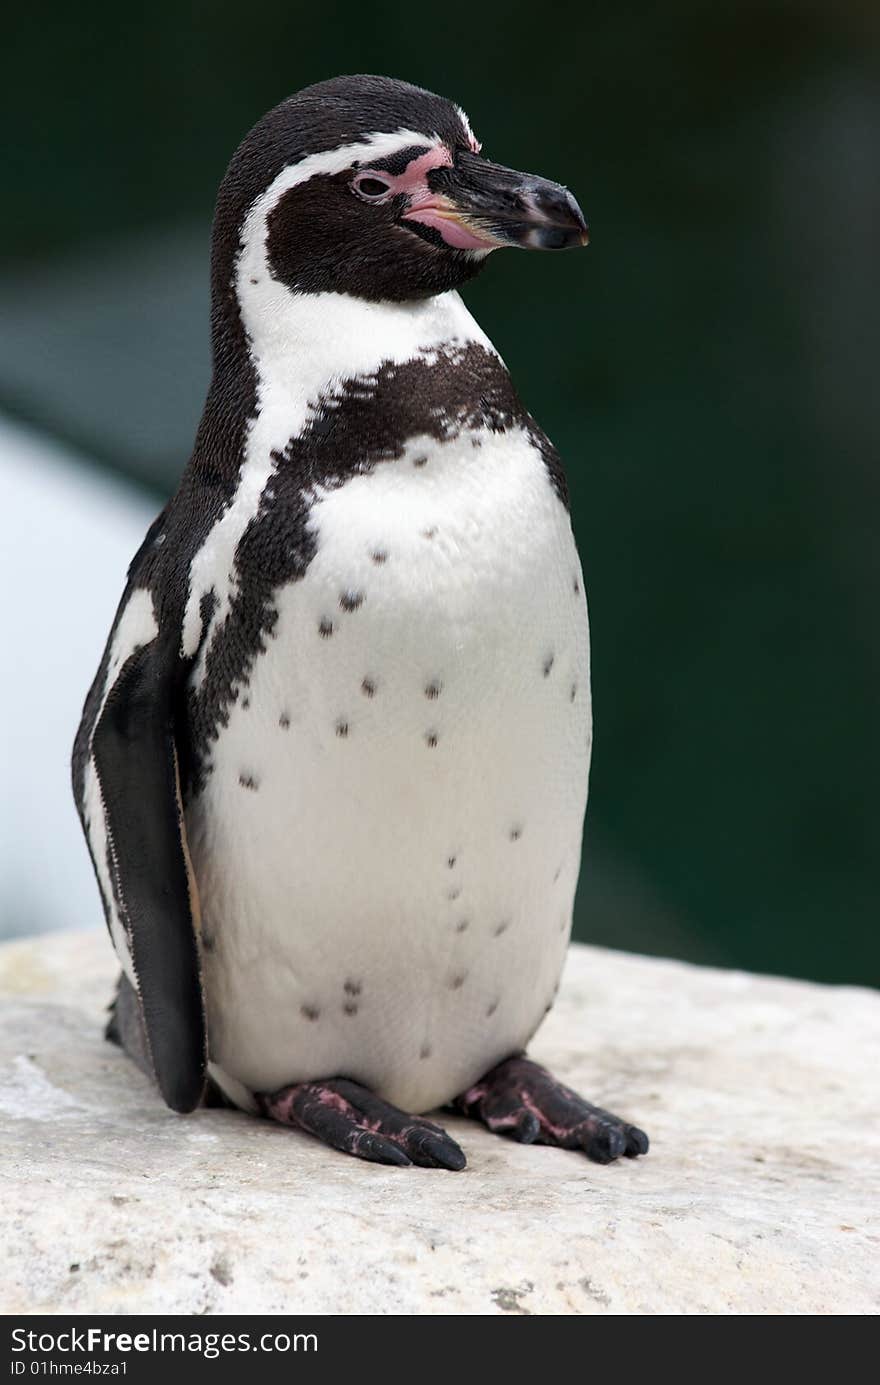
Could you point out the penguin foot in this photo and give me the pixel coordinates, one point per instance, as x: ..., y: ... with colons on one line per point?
x: 521, y: 1099
x: 349, y: 1117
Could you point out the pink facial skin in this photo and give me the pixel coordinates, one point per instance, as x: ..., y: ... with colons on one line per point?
x: 432, y: 209
x: 437, y: 213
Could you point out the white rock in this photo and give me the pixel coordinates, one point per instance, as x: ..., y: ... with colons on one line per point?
x: 760, y: 1195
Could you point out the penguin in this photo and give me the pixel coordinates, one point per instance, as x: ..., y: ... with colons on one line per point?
x: 332, y: 770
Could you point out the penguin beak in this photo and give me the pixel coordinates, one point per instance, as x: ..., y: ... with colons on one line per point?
x: 477, y: 205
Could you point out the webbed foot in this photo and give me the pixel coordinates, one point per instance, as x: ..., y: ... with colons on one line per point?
x: 521, y: 1099
x: 350, y: 1118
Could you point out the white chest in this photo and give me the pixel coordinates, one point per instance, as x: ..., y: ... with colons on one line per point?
x: 388, y: 845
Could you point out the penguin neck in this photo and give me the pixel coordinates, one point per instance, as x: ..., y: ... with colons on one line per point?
x: 296, y: 349
x: 303, y: 346
x: 278, y: 353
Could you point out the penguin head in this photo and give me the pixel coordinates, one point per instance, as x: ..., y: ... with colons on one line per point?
x: 377, y: 189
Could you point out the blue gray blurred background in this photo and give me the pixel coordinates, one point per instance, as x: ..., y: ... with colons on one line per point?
x: 708, y: 369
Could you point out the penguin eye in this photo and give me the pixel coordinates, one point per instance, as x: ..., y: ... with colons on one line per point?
x: 370, y: 187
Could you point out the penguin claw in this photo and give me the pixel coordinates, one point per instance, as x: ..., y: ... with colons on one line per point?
x: 432, y: 1151
x: 604, y: 1145
x: 637, y: 1141
x: 521, y: 1099
x: 350, y: 1118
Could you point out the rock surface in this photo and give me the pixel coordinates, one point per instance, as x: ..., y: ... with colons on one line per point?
x: 761, y: 1193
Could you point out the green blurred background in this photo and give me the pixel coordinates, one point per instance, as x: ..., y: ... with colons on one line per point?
x: 707, y: 369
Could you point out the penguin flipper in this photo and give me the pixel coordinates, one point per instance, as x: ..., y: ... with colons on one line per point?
x: 135, y: 758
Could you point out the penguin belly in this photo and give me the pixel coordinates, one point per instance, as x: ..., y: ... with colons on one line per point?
x: 388, y: 842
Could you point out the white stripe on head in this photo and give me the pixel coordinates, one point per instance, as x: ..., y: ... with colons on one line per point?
x: 251, y: 262
x: 472, y: 140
